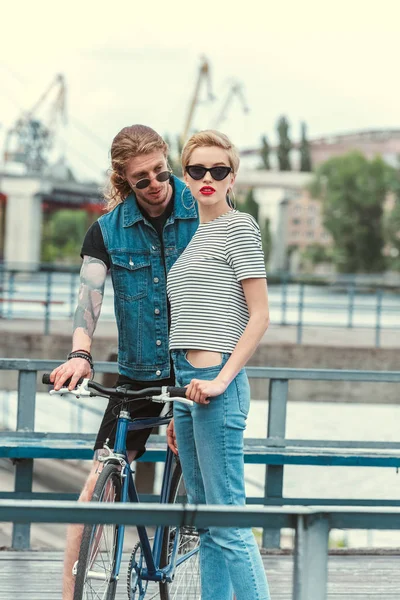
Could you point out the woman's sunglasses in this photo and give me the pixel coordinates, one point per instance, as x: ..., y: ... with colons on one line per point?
x: 144, y: 183
x: 218, y: 173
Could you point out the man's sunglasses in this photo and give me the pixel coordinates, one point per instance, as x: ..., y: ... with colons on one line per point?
x: 218, y: 173
x: 144, y: 183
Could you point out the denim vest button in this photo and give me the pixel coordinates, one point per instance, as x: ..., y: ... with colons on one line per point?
x: 158, y: 342
x: 156, y: 311
x: 156, y: 280
x: 158, y: 372
x: 153, y: 248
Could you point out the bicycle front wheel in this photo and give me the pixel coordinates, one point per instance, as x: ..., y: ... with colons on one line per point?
x: 95, y: 570
x: 186, y: 583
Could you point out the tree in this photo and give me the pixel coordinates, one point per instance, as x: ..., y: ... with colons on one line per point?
x: 392, y: 226
x: 250, y: 205
x: 353, y: 190
x: 316, y: 254
x: 264, y: 153
x: 62, y: 235
x: 266, y: 239
x: 284, y: 145
x: 174, y: 156
x: 305, y: 155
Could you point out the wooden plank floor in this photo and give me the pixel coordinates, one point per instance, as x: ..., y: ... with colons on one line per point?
x: 37, y: 576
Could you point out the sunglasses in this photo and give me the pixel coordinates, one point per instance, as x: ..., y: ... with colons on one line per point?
x: 144, y: 183
x: 218, y: 173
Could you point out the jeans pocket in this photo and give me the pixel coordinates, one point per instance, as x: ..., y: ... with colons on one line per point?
x: 243, y: 392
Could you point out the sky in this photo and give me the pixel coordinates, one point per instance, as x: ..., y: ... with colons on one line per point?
x: 333, y: 65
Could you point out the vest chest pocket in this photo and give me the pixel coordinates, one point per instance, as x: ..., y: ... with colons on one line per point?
x: 130, y: 275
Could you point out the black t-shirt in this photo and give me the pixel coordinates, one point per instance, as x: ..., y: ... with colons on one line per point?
x: 93, y: 244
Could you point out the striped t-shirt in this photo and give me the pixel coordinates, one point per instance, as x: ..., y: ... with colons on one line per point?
x: 208, y: 306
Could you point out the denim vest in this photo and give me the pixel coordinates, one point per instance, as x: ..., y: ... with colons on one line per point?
x: 139, y: 279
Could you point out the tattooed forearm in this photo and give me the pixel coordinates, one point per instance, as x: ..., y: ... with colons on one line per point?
x: 93, y: 277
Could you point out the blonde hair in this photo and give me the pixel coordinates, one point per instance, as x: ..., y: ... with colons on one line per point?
x: 210, y: 137
x: 129, y: 142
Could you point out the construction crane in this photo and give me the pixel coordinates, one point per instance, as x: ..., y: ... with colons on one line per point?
x: 204, y: 75
x: 31, y: 140
x: 236, y: 89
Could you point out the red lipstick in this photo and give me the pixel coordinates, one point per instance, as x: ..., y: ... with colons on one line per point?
x: 207, y: 190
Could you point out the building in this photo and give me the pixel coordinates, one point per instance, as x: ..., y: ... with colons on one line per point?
x: 23, y: 201
x: 305, y: 222
x: 382, y: 142
x: 295, y: 217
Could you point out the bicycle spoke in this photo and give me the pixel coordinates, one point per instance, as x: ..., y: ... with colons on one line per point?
x: 186, y: 585
x: 186, y: 582
x: 96, y: 560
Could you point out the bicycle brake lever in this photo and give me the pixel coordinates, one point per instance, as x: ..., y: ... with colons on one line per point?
x: 164, y: 397
x: 183, y: 400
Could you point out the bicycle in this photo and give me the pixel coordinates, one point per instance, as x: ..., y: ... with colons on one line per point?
x: 172, y: 563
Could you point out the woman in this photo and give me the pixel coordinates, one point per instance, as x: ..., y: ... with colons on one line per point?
x: 219, y: 312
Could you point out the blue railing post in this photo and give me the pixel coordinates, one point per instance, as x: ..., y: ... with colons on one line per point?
x: 24, y: 467
x: 310, y: 569
x: 378, y: 317
x: 351, y: 290
x: 47, y: 304
x: 300, y: 314
x: 277, y: 404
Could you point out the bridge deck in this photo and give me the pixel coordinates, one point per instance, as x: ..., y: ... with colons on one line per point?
x: 351, y: 577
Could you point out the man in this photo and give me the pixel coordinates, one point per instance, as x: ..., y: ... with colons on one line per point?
x: 150, y: 220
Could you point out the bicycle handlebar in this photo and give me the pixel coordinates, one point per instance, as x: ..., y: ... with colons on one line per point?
x: 121, y: 392
x: 46, y: 380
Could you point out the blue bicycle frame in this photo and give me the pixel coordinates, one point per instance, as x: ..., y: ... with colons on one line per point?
x: 129, y: 494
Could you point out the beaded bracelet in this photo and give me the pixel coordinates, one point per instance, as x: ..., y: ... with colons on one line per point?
x: 78, y: 354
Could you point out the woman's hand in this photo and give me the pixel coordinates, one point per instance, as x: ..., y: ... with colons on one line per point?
x: 199, y: 390
x: 171, y: 437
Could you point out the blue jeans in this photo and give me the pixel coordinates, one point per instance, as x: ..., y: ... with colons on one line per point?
x: 210, y: 443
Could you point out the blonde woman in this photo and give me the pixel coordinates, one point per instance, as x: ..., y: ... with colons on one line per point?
x: 219, y: 313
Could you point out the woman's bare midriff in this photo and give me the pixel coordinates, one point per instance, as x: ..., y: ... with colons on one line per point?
x: 204, y: 358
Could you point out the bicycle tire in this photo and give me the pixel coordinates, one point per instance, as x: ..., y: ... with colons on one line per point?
x: 186, y: 583
x: 108, y: 486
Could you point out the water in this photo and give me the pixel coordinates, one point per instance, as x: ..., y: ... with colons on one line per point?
x: 305, y: 420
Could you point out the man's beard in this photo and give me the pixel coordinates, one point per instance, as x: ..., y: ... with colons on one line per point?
x: 154, y: 200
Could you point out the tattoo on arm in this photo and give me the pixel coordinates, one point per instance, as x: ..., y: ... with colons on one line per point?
x: 90, y: 298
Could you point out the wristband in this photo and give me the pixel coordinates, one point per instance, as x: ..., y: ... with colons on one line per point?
x: 85, y: 356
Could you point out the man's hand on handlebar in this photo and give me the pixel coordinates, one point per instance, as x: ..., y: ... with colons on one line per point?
x: 171, y: 438
x: 74, y: 368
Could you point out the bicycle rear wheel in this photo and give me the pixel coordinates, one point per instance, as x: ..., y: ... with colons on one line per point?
x: 186, y: 583
x: 94, y: 575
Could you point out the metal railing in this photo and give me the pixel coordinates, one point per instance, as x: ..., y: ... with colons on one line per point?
x: 310, y: 564
x: 38, y: 295
x: 346, y: 307
x: 347, y: 302
x: 275, y: 427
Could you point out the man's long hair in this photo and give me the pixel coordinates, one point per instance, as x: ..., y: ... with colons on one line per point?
x: 129, y: 142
